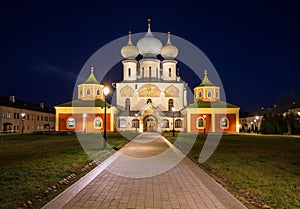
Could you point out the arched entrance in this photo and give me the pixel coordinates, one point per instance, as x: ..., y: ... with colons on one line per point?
x: 150, y: 123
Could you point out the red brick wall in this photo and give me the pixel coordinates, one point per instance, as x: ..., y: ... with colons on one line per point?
x: 194, y: 118
x: 62, y: 126
x: 232, y: 122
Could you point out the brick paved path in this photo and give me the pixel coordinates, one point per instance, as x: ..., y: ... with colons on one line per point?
x: 116, y: 183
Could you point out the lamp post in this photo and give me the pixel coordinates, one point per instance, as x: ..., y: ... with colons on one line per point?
x: 105, y: 92
x: 23, y: 118
x: 136, y: 122
x: 173, y: 110
x: 204, y: 116
x: 84, y: 122
x: 257, y: 117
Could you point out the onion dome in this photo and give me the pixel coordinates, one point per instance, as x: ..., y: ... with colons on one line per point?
x: 169, y: 51
x: 149, y: 46
x: 129, y: 51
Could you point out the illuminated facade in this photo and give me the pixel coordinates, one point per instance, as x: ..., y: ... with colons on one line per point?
x: 19, y: 116
x: 150, y: 97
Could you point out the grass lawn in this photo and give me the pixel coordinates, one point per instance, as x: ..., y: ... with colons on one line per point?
x: 32, y: 163
x: 267, y: 167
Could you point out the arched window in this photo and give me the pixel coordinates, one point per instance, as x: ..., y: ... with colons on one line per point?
x: 135, y: 123
x: 150, y: 73
x: 70, y: 123
x: 127, y: 104
x: 129, y: 72
x: 200, y: 94
x: 98, y: 92
x: 178, y: 123
x: 200, y: 123
x: 98, y: 123
x: 88, y: 92
x: 170, y: 72
x: 170, y: 104
x: 209, y: 94
x: 224, y: 122
x: 122, y: 123
x: 165, y: 123
x: 149, y: 101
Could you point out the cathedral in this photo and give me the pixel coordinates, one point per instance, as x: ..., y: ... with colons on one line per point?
x: 151, y: 97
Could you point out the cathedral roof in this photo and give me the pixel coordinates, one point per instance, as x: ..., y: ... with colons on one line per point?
x: 129, y: 51
x: 205, y: 81
x: 149, y: 46
x: 91, y: 79
x: 169, y: 51
x: 209, y: 104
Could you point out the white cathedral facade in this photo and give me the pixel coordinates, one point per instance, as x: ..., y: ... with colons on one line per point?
x: 151, y: 91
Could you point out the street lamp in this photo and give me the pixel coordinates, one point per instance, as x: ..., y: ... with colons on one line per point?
x: 257, y: 117
x: 84, y: 122
x: 136, y: 122
x: 204, y: 116
x: 23, y: 118
x: 105, y: 92
x: 173, y: 110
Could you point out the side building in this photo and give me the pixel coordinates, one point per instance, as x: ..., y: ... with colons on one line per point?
x: 18, y: 116
x: 86, y: 113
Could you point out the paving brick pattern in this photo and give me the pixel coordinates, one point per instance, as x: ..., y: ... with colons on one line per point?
x: 183, y: 186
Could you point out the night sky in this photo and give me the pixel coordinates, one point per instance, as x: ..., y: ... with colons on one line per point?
x: 253, y: 45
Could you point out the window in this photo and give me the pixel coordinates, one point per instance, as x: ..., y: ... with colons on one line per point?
x: 98, y: 92
x: 122, y: 123
x: 88, y: 92
x: 3, y: 114
x: 224, y: 123
x: 149, y: 101
x: 71, y: 123
x: 135, y: 86
x: 135, y: 123
x: 8, y: 114
x: 165, y: 123
x: 150, y: 72
x: 18, y: 115
x: 143, y: 72
x: 42, y: 118
x: 127, y: 104
x: 209, y: 94
x: 200, y: 123
x: 97, y: 123
x: 178, y: 123
x: 170, y: 71
x: 28, y: 116
x: 170, y: 104
x: 129, y: 72
x: 15, y: 115
x: 37, y: 117
x: 217, y: 94
x: 200, y: 94
x: 80, y: 92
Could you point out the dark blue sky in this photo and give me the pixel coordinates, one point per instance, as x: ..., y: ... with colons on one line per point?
x: 254, y: 45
